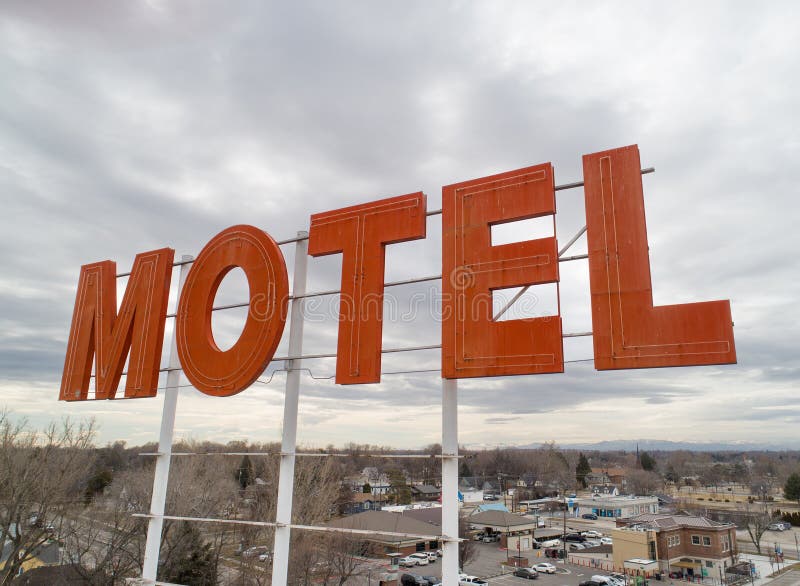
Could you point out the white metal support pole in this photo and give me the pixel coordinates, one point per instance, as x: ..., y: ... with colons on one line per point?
x: 450, y: 481
x: 283, y: 514
x: 161, y: 476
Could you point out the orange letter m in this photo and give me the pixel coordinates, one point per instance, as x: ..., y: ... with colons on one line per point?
x: 99, y: 332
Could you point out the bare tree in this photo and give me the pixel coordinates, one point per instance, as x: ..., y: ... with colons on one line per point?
x: 758, y: 518
x: 104, y: 543
x: 467, y: 550
x: 642, y: 482
x: 41, y: 478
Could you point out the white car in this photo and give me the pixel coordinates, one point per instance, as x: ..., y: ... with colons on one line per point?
x: 408, y: 561
x: 610, y: 580
x: 591, y: 533
x: 432, y: 556
x: 466, y: 580
x: 606, y: 541
x: 544, y: 568
x: 551, y: 543
x: 422, y: 558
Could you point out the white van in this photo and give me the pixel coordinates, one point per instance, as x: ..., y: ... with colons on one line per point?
x: 551, y: 543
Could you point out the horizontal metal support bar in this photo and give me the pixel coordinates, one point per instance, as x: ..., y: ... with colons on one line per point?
x: 323, y: 293
x: 310, y: 454
x: 384, y: 351
x: 576, y: 257
x: 411, y: 349
x: 576, y: 335
x: 296, y: 526
x: 575, y: 184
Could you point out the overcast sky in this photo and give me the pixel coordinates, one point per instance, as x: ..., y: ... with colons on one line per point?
x: 129, y: 126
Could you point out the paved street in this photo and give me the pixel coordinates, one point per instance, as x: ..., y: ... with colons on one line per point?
x: 788, y: 579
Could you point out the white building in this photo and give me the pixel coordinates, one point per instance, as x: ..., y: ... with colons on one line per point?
x: 617, y: 506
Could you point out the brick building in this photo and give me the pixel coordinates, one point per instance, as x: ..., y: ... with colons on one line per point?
x: 688, y: 544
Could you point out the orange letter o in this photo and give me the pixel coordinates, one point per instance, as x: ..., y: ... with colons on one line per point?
x: 209, y: 369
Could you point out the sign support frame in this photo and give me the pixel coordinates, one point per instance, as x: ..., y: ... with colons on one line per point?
x: 161, y: 476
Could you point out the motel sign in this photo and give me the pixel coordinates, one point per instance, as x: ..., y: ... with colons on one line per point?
x: 628, y: 330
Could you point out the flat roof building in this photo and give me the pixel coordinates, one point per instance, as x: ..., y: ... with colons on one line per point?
x: 617, y: 506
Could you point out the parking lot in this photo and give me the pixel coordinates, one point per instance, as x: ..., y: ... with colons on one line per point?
x: 489, y: 560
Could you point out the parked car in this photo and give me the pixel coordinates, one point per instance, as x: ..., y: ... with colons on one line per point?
x: 574, y: 537
x: 431, y: 580
x: 408, y: 562
x: 590, y: 583
x: 554, y: 552
x: 526, y: 573
x: 779, y: 526
x: 255, y: 551
x: 466, y: 580
x: 591, y: 533
x: 478, y: 536
x: 421, y: 557
x: 551, y: 543
x: 576, y: 546
x: 413, y: 580
x: 544, y: 568
x: 591, y: 516
x: 606, y: 541
x: 621, y: 578
x: 607, y: 580
x: 491, y: 538
x: 591, y: 543
x: 432, y: 556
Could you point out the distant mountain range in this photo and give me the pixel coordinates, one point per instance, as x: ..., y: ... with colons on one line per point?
x: 653, y: 445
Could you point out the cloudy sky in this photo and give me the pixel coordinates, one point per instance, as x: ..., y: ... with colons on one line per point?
x: 128, y: 126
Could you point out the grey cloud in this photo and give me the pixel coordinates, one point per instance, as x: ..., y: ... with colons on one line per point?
x: 127, y: 128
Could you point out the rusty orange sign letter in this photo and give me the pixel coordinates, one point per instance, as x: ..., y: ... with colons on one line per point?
x: 362, y: 232
x: 226, y: 372
x: 628, y: 331
x: 473, y: 344
x: 98, y: 330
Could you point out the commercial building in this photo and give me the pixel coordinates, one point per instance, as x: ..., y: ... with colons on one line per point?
x: 617, y: 506
x: 515, y: 532
x: 690, y: 545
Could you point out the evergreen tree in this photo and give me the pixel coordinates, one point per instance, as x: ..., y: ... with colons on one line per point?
x: 244, y: 474
x: 399, y: 487
x: 367, y: 488
x: 97, y: 484
x: 791, y: 490
x: 191, y: 562
x: 648, y: 462
x: 464, y: 470
x: 582, y: 469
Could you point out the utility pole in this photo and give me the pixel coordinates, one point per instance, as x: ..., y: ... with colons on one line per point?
x: 564, y: 516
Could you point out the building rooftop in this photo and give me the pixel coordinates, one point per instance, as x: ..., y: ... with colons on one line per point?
x: 426, y: 489
x: 496, y: 518
x: 667, y: 521
x: 375, y: 522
